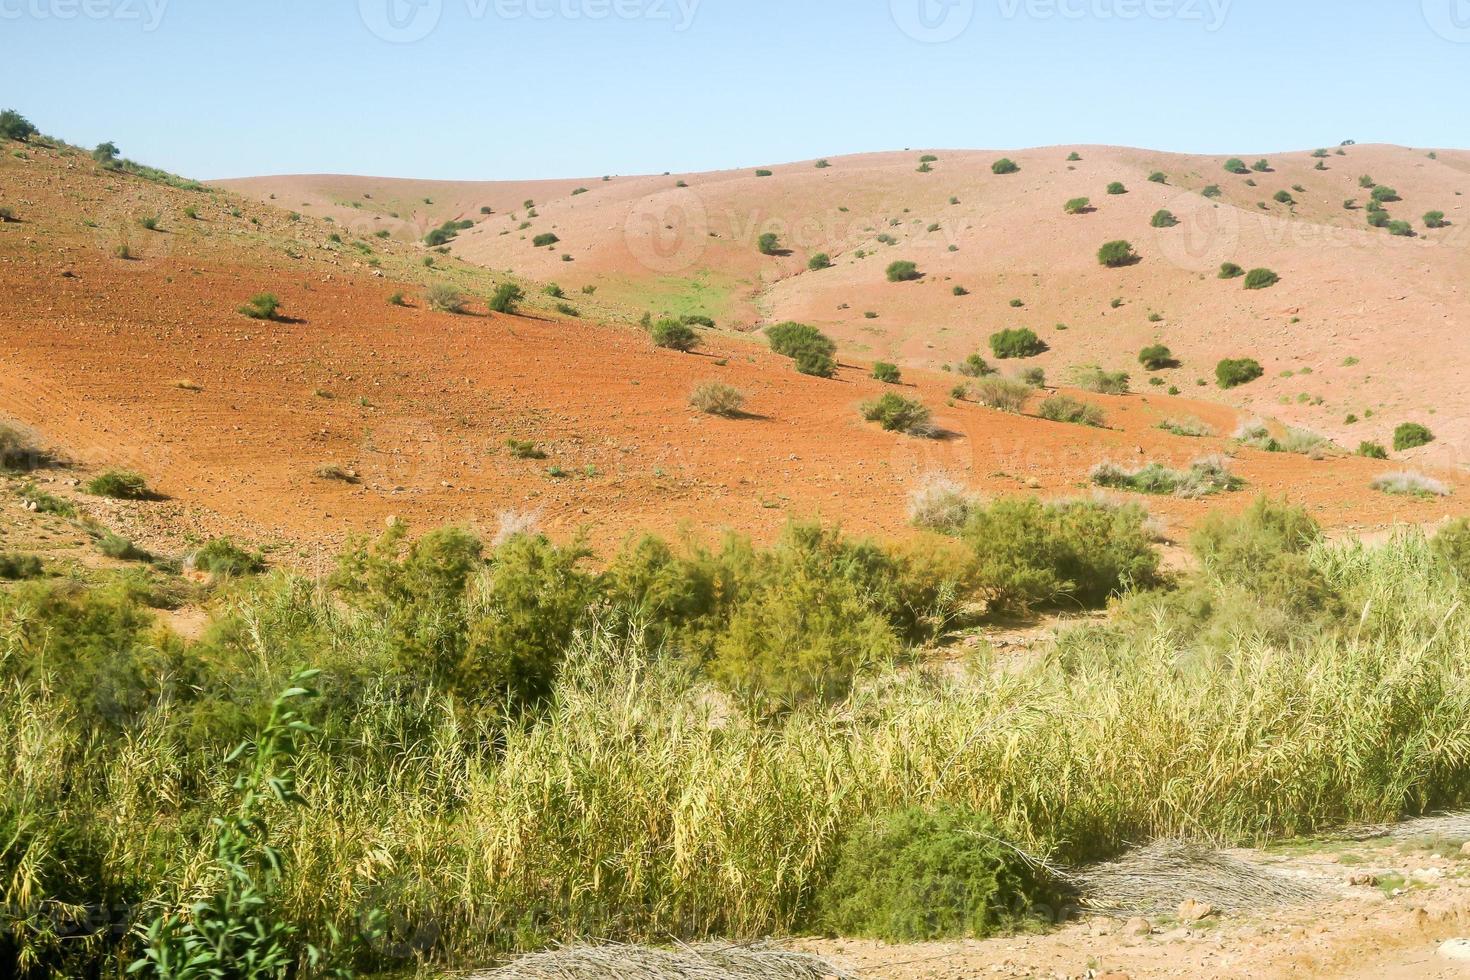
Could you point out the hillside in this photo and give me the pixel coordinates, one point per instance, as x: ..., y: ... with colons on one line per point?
x: 144, y: 362
x: 1359, y: 324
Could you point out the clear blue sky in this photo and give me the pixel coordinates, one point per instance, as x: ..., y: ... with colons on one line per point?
x: 545, y: 88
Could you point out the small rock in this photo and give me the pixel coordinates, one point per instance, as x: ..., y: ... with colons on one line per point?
x: 1455, y: 949
x: 1137, y: 926
x: 1364, y: 879
x: 1191, y: 910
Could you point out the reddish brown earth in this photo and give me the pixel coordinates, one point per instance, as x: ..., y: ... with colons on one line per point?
x: 93, y: 349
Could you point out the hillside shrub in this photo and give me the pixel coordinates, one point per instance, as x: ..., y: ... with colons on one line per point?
x: 819, y: 261
x: 975, y: 366
x: 887, y: 373
x: 1158, y: 177
x: 768, y: 243
x: 1157, y: 357
x: 1435, y: 219
x: 1004, y: 166
x: 444, y: 298
x: 1411, y: 435
x: 14, y: 126
x: 1016, y: 342
x: 223, y: 557
x: 815, y: 362
x: 119, y: 485
x: 1233, y: 372
x: 1064, y: 408
x: 896, y: 413
x: 506, y: 297
x: 1116, y: 187
x: 1372, y: 450
x: 717, y: 398
x: 1078, y: 205
x: 1116, y: 254
x: 1091, y: 377
x: 790, y: 339
x: 1001, y: 394
x: 674, y: 335
x: 1236, y: 166
x: 545, y: 239
x: 1163, y: 219
x: 1407, y: 483
x: 1229, y: 270
x: 902, y: 271
x: 1261, y: 279
x: 262, y: 306
x: 15, y: 567
x: 1206, y: 475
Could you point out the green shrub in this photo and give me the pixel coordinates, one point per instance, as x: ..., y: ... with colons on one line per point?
x: 717, y: 398
x: 1116, y: 187
x: 524, y: 449
x: 1090, y: 377
x: 674, y: 335
x: 1190, y: 427
x: 1116, y: 254
x: 1064, y: 408
x: 444, y: 298
x: 896, y: 413
x: 1411, y: 435
x: 119, y: 485
x: 1435, y: 219
x: 1384, y: 194
x: 1016, y: 342
x: 1004, y: 166
x: 1033, y: 376
x: 17, y: 452
x: 1163, y: 219
x: 1034, y: 555
x: 925, y: 874
x: 223, y: 557
x: 14, y: 567
x: 790, y: 338
x: 1452, y: 547
x: 1001, y: 394
x: 1207, y: 475
x: 769, y: 243
x: 975, y: 366
x: 1157, y: 357
x: 262, y: 306
x: 120, y: 548
x: 819, y: 261
x: 1078, y: 205
x: 545, y: 240
x: 505, y: 298
x: 1400, y: 228
x: 1261, y: 279
x: 886, y: 372
x: 763, y: 173
x: 1372, y: 450
x: 902, y: 271
x: 1236, y: 166
x: 14, y: 126
x: 815, y: 362
x: 1264, y: 551
x: 1378, y: 219
x: 1282, y: 197
x: 1261, y: 166
x: 1232, y: 372
x: 1158, y: 177
x: 697, y: 320
x: 1229, y: 270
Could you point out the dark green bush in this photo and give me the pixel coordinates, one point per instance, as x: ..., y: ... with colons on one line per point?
x: 1157, y: 357
x: 975, y: 366
x: 674, y: 335
x: 902, y: 271
x: 505, y: 298
x: 1016, y: 342
x: 1163, y: 219
x: 697, y: 320
x: 1435, y: 219
x: 790, y: 338
x: 1158, y: 177
x: 15, y: 566
x: 1236, y: 166
x: 768, y: 243
x: 819, y: 261
x: 925, y: 874
x: 1372, y: 450
x: 1004, y: 166
x: 1117, y: 254
x: 1229, y: 270
x: 896, y: 413
x: 1078, y: 205
x: 816, y: 363
x: 1232, y: 372
x: 1400, y: 228
x: 1411, y: 435
x: 1261, y: 279
x: 223, y: 557
x: 545, y: 239
x: 14, y: 126
x: 1283, y: 197
x: 1116, y: 187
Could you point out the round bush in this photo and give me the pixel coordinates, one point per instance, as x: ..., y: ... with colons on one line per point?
x: 919, y: 874
x: 819, y: 261
x: 1231, y: 373
x: 1261, y: 279
x: 1117, y: 254
x: 1016, y: 342
x: 1004, y: 166
x: 902, y: 271
x: 1411, y: 435
x: 1229, y: 270
x: 886, y: 373
x: 674, y: 335
x: 1156, y: 357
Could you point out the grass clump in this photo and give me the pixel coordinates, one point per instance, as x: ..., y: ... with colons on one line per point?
x: 1064, y: 408
x: 1372, y: 450
x: 1090, y: 377
x: 1407, y: 483
x: 1190, y: 427
x: 924, y: 874
x: 223, y: 557
x: 1229, y: 270
x: 1016, y: 342
x: 444, y: 298
x: 717, y: 398
x: 1411, y: 435
x: 896, y: 413
x: 15, y: 567
x: 1204, y: 476
x: 524, y: 449
x: 120, y: 485
x: 1001, y: 394
x: 1078, y: 205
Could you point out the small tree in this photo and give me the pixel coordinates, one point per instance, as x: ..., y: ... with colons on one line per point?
x: 1236, y: 166
x: 902, y: 271
x: 1156, y: 357
x: 1117, y: 254
x: 14, y: 126
x: 106, y: 153
x: 768, y: 243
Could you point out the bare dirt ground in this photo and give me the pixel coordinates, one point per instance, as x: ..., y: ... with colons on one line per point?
x: 1386, y: 910
x: 145, y: 363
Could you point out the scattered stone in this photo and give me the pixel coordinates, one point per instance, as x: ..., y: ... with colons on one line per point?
x: 1364, y: 879
x: 1455, y: 949
x: 1191, y: 910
